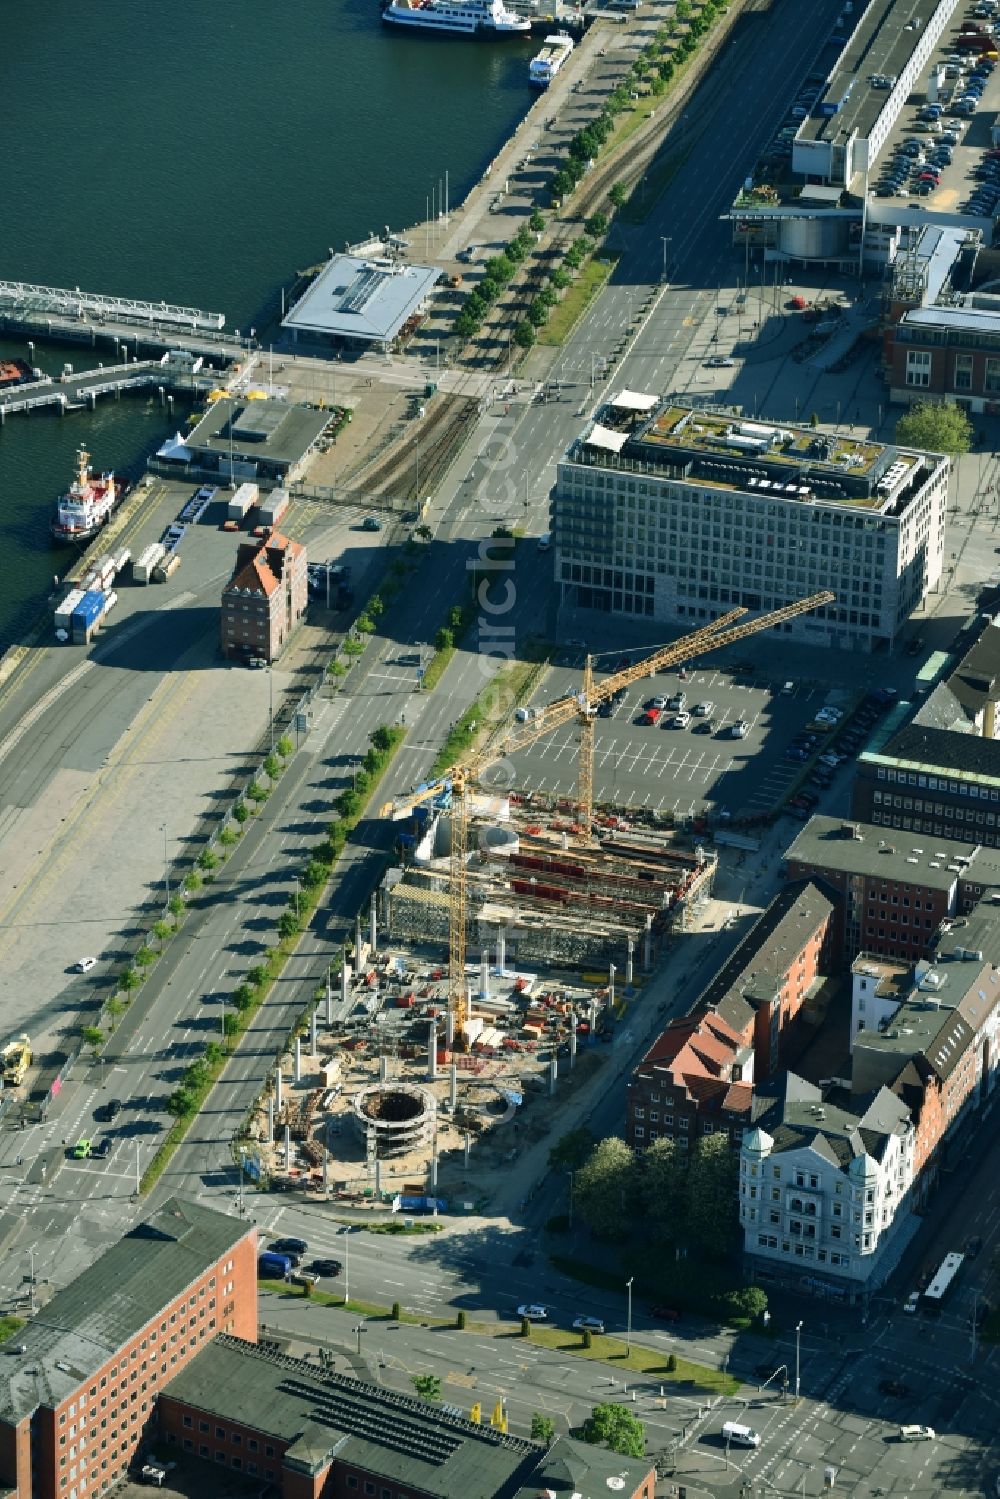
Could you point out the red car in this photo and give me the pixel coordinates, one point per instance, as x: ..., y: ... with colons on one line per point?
x: 651, y: 716
x: 665, y: 1313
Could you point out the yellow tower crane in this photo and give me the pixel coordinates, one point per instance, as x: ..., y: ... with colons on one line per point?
x: 513, y: 736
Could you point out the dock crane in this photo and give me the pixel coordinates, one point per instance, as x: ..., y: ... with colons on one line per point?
x: 514, y: 735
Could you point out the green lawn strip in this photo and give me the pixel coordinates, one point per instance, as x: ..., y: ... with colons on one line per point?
x: 436, y: 668
x: 403, y: 1228
x: 274, y: 964
x: 642, y: 1360
x: 371, y: 1309
x: 576, y: 301
x: 9, y: 1326
x: 511, y: 684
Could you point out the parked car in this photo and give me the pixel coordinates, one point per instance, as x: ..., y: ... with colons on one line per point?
x: 533, y: 1311
x: 703, y: 710
x: 665, y: 1313
x: 719, y: 362
x: 326, y: 1267
x: 371, y: 523
x: 84, y: 965
x: 288, y: 1246
x: 589, y: 1324
x: 680, y: 720
x: 651, y: 716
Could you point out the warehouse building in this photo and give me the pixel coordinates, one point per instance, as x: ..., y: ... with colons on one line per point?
x: 238, y: 439
x: 664, y: 512
x: 78, y: 1391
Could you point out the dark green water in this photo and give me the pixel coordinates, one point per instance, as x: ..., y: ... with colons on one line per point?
x: 203, y: 153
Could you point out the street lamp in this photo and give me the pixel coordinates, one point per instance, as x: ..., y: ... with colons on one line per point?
x: 359, y: 1329
x: 798, y: 1334
x: 665, y: 240
x: 628, y: 1325
x: 166, y: 869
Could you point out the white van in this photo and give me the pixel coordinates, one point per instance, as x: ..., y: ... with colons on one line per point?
x: 736, y: 1435
x: 917, y: 1434
x: 545, y: 541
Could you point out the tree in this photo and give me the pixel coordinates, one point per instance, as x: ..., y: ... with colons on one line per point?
x: 604, y: 1187
x: 712, y: 1215
x: 424, y: 532
x: 381, y: 739
x: 536, y: 223
x: 244, y: 997
x: 284, y: 746
x: 427, y: 1386
x: 663, y: 1187
x: 571, y: 1150
x: 597, y: 224
x: 181, y: 1103
x: 524, y: 335
x: 129, y: 980
x: 145, y: 957
x: 543, y: 1428
x: 213, y: 1053
x: 257, y: 975
x: 176, y: 906
x: 161, y: 931
x: 444, y: 639
x: 240, y: 812
x: 614, y: 1426
x: 288, y: 924
x: 92, y: 1036
x: 538, y: 313
x: 618, y: 195
x: 938, y: 427
x: 560, y: 278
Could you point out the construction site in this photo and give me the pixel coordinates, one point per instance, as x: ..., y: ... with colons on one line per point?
x: 502, y: 950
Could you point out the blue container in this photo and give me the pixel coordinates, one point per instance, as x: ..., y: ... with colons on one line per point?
x: 89, y: 610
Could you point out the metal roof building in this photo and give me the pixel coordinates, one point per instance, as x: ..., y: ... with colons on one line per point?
x: 359, y: 302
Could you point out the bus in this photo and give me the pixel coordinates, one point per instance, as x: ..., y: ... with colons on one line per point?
x: 944, y: 1279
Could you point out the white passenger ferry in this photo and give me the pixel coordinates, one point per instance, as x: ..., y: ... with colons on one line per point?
x: 459, y: 17
x: 555, y: 51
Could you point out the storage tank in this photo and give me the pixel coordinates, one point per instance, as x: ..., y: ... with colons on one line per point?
x: 814, y: 239
x: 87, y: 616
x: 274, y: 507
x: 63, y: 617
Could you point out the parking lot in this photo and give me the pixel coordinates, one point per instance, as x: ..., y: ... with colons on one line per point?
x: 683, y: 772
x: 937, y: 150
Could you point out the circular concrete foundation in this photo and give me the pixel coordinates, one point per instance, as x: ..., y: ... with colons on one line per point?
x: 394, y: 1118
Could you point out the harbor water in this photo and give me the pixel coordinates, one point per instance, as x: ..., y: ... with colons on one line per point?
x: 204, y: 154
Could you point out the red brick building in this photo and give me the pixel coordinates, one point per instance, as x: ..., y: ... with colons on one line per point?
x: 760, y: 990
x: 80, y: 1399
x: 265, y: 598
x: 696, y: 1079
x: 895, y: 889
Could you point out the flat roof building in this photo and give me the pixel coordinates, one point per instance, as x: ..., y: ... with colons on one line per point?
x: 311, y: 1432
x: 680, y: 514
x: 264, y: 440
x: 91, y: 1363
x: 360, y: 301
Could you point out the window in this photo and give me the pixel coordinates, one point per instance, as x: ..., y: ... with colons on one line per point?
x: 352, y: 1481
x: 918, y: 367
x: 187, y: 1421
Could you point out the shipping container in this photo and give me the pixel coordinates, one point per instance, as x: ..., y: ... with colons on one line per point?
x: 142, y: 567
x: 63, y: 618
x: 87, y: 616
x: 165, y: 567
x: 274, y: 507
x: 243, y: 500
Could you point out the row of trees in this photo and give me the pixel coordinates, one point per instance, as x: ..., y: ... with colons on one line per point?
x: 684, y: 1198
x: 498, y: 272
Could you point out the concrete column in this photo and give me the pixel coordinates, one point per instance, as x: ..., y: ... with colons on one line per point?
x: 288, y: 1147
x: 270, y: 1120
x: 502, y: 949
x: 449, y: 1028
x: 277, y: 1089
x: 312, y: 1032
x: 383, y: 1068
x: 357, y: 940
x: 484, y: 982
x: 468, y: 1147
x: 373, y: 925
x: 432, y: 1053
x: 647, y: 946
x: 378, y: 1177
x: 628, y: 961
x: 553, y: 1073
x: 326, y: 1162
x: 572, y: 1041
x: 454, y: 1086
x: 329, y: 1000
x: 592, y: 1016
x: 434, y: 1169
x: 298, y: 1059
x: 345, y: 982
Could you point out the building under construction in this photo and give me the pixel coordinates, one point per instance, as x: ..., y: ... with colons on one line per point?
x: 536, y: 895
